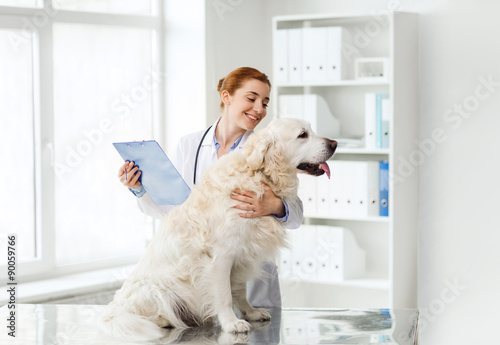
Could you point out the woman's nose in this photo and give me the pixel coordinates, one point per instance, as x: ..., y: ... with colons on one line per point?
x: 258, y: 107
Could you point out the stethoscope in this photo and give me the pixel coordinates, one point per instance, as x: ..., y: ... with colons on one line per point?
x: 197, y: 153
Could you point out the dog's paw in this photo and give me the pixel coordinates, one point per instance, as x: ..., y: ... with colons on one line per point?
x: 238, y: 326
x: 258, y: 314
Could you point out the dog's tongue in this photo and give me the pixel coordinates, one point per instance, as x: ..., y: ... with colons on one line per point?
x: 326, y: 168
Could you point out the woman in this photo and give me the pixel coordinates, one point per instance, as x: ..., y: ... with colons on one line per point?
x: 244, y: 95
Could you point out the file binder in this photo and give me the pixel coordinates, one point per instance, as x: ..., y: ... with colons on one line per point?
x: 384, y: 188
x: 291, y: 106
x: 338, y: 54
x: 382, y: 114
x: 159, y: 177
x: 386, y: 120
x: 336, y: 189
x: 323, y: 202
x: 366, y: 189
x: 370, y: 121
x: 314, y: 49
x: 317, y: 113
x: 281, y: 56
x: 294, y: 55
x: 348, y: 196
x: 313, y: 109
x: 379, y: 120
x: 308, y: 194
x: 322, y: 253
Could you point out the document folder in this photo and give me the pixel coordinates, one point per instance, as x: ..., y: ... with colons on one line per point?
x: 159, y: 177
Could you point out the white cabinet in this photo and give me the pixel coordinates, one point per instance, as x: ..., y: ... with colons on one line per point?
x: 349, y: 61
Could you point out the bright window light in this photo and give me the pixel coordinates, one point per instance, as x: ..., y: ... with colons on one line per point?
x: 17, y: 141
x: 103, y: 85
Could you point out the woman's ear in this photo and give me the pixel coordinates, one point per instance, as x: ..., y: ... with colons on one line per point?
x: 225, y: 97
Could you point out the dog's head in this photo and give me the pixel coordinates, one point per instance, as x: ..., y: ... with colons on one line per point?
x: 287, y: 144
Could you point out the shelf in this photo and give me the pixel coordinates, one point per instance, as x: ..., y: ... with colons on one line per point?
x: 375, y: 284
x: 381, y: 82
x: 353, y: 219
x: 390, y: 253
x: 361, y: 151
x: 346, y: 17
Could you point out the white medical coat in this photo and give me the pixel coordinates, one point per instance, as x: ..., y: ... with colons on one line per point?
x: 263, y: 292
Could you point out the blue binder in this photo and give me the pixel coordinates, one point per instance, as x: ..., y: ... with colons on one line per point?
x: 384, y: 188
x: 159, y: 177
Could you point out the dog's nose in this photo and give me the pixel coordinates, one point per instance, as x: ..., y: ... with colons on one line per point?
x: 333, y: 144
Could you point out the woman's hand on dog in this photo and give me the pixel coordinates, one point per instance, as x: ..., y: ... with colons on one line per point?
x: 129, y: 175
x: 257, y: 207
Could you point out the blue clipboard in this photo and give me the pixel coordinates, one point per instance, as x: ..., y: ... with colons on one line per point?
x: 159, y: 177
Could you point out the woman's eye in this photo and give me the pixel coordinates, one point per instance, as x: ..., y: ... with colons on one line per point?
x: 303, y: 135
x: 265, y: 105
x: 251, y: 100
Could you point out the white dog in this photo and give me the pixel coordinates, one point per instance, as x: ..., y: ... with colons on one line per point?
x: 200, y: 259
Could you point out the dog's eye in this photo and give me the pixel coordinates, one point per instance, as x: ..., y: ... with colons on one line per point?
x: 303, y: 135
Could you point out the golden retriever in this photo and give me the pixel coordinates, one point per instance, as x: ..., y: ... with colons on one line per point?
x: 200, y: 259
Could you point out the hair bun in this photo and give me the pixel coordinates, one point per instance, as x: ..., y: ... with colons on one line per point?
x: 221, y: 82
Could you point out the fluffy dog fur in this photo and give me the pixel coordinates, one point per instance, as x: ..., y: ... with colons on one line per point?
x: 200, y: 259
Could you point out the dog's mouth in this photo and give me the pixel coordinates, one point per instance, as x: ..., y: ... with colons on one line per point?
x: 315, y: 169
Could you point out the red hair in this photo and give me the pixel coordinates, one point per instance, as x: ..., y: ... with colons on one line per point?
x: 235, y: 79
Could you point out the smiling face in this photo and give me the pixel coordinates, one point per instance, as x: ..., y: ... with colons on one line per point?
x: 247, y: 106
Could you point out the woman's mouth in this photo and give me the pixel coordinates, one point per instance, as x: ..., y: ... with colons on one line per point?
x: 252, y: 117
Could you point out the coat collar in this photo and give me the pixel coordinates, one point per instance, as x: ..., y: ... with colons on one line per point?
x: 209, y: 138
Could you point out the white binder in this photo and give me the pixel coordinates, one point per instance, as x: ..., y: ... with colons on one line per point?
x: 386, y: 121
x: 337, y: 59
x: 370, y: 121
x: 348, y: 189
x: 285, y: 263
x: 336, y: 187
x: 317, y: 113
x: 291, y: 106
x: 308, y: 194
x: 322, y: 253
x: 313, y: 109
x: 280, y: 51
x: 353, y: 258
x: 294, y: 55
x: 346, y: 259
x: 323, y: 187
x: 366, y: 200
x: 314, y: 54
x: 303, y: 260
x: 328, y: 249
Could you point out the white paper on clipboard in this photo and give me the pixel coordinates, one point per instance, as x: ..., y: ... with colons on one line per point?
x: 159, y: 177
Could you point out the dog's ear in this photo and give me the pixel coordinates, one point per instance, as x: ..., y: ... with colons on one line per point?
x: 258, y: 144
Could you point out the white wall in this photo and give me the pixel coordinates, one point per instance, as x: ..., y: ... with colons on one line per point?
x: 238, y: 35
x: 185, y: 69
x: 459, y: 264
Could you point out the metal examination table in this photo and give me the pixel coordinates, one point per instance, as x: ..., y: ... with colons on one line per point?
x: 76, y: 324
